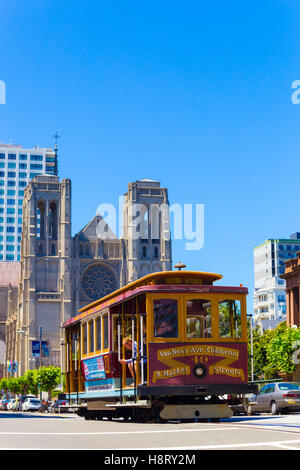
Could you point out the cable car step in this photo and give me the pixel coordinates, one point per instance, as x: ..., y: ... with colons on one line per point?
x: 140, y: 403
x: 196, y: 411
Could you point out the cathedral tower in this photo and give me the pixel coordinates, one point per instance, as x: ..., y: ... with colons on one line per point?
x: 45, y: 286
x: 146, y: 229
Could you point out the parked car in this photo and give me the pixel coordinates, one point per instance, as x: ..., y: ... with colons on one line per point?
x: 21, y: 401
x: 31, y: 404
x: 55, y: 408
x: 275, y: 398
x: 10, y: 404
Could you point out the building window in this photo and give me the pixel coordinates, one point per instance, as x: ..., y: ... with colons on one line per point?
x: 22, y: 166
x: 12, y: 156
x: 36, y: 166
x: 36, y: 158
x: 23, y: 156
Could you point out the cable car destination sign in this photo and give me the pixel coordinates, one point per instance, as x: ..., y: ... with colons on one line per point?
x: 216, y: 362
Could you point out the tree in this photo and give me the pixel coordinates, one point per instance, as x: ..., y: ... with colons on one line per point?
x: 30, y: 382
x: 13, y: 385
x: 263, y: 368
x: 48, y: 378
x: 282, y: 346
x: 4, y: 385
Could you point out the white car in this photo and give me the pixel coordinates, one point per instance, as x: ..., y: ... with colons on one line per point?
x: 10, y: 404
x: 31, y: 404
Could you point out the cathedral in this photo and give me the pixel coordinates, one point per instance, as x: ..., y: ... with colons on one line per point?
x: 61, y: 273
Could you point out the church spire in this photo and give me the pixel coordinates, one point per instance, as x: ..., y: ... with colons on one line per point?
x: 56, y: 137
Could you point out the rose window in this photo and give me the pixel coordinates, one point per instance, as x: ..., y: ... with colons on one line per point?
x: 98, y: 281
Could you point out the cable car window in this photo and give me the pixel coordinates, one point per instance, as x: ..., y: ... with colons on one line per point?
x: 91, y: 336
x: 230, y: 325
x: 84, y: 338
x: 165, y: 312
x: 105, y: 331
x: 98, y: 333
x: 198, y: 320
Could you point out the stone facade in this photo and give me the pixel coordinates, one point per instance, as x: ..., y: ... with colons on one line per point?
x: 60, y: 274
x: 292, y: 278
x: 9, y: 278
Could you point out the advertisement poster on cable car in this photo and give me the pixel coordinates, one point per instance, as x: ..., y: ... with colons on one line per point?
x: 93, y: 368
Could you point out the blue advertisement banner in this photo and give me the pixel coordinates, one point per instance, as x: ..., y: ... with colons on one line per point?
x: 93, y: 368
x: 36, y: 349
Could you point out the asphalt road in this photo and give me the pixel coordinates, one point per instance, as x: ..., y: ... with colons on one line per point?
x: 34, y: 431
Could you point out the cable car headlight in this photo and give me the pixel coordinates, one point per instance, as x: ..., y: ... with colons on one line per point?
x: 199, y: 371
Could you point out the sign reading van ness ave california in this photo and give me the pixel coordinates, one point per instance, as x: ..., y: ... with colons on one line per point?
x: 174, y: 365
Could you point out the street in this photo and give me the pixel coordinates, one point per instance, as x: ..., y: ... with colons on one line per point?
x: 34, y: 431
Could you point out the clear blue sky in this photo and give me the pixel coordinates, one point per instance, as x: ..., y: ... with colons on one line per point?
x: 194, y: 94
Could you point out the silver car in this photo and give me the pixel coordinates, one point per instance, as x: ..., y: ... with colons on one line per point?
x: 277, y: 397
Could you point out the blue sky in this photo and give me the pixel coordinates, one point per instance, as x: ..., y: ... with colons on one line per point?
x: 194, y: 94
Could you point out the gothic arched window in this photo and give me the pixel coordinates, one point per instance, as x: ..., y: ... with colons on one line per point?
x: 40, y: 212
x: 53, y: 221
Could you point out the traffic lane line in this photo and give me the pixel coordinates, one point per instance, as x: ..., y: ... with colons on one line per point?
x: 239, y: 446
x: 89, y: 443
x: 105, y: 433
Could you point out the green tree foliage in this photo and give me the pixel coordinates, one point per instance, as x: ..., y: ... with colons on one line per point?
x: 263, y: 368
x: 30, y: 379
x: 281, y: 347
x: 48, y: 378
x: 4, y: 385
x: 273, y: 351
x: 13, y: 385
x: 45, y: 378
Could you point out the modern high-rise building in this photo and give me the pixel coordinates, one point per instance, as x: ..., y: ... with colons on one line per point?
x: 269, y: 289
x: 18, y: 166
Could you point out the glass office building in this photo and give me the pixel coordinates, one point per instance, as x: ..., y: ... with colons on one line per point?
x: 269, y: 289
x: 17, y: 167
